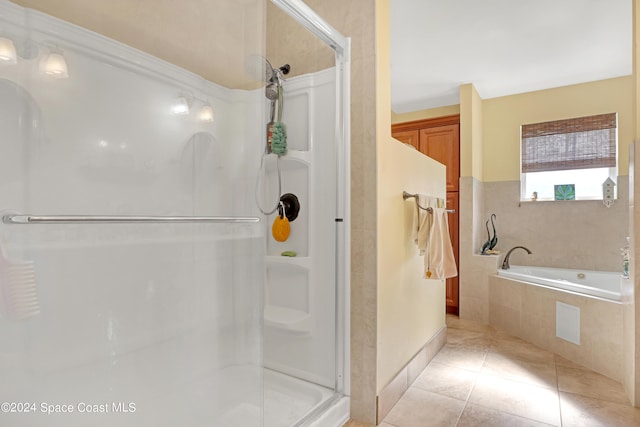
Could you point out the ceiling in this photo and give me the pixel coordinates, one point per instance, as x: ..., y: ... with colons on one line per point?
x: 503, y: 47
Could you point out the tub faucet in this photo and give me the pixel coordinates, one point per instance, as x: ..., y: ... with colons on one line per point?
x: 505, y: 263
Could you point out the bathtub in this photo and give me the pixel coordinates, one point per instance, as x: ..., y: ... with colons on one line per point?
x: 602, y: 284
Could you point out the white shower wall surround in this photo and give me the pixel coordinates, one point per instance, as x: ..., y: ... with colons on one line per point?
x: 165, y: 317
x: 300, y: 292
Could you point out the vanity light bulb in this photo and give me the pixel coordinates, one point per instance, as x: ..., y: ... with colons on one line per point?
x: 7, y: 51
x: 181, y: 107
x: 206, y: 114
x: 54, y: 65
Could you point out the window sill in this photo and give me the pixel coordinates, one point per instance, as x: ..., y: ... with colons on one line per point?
x: 553, y: 200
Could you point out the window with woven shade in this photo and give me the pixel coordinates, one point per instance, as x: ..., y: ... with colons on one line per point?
x: 578, y: 152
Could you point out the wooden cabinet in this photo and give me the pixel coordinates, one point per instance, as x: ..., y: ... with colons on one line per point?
x: 409, y: 137
x: 439, y: 139
x: 442, y: 143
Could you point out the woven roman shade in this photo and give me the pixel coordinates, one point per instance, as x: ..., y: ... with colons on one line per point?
x: 580, y: 143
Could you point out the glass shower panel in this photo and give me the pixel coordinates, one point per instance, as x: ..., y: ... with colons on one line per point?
x: 133, y: 323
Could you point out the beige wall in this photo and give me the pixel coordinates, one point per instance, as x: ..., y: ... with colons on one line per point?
x: 425, y: 114
x: 208, y: 38
x: 502, y: 118
x: 284, y: 36
x: 411, y: 309
x: 471, y: 125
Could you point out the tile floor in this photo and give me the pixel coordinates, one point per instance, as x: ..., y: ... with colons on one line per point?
x: 486, y: 378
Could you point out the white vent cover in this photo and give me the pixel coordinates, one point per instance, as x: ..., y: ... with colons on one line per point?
x: 568, y: 322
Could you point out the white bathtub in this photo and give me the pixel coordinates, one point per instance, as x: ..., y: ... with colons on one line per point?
x: 603, y: 284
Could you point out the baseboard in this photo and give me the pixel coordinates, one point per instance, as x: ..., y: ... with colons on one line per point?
x: 393, y: 391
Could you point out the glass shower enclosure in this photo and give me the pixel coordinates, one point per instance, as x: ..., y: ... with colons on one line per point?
x: 140, y: 285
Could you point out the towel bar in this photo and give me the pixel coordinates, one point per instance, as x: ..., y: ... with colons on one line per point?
x: 406, y: 196
x: 116, y: 219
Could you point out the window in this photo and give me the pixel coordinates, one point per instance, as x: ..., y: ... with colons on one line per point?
x: 579, y: 152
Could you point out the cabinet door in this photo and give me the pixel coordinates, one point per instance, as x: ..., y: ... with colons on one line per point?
x: 408, y: 137
x: 454, y: 222
x: 442, y: 143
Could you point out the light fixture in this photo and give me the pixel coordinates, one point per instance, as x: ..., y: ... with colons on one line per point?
x: 206, y: 113
x: 54, y: 65
x: 181, y: 106
x: 7, y: 51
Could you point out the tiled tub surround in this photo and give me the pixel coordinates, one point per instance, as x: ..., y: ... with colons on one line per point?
x: 582, y: 234
x: 577, y: 234
x: 529, y: 312
x: 474, y: 268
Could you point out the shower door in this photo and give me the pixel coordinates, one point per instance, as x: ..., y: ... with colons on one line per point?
x: 132, y: 260
x: 304, y: 315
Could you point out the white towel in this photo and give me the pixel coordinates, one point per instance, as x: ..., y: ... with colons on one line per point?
x: 421, y: 222
x: 439, y: 259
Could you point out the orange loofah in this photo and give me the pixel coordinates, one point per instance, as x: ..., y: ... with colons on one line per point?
x: 281, y: 229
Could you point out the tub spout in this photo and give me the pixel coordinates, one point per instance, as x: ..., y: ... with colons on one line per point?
x: 505, y: 263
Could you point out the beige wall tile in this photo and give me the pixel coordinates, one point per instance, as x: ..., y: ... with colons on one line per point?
x: 528, y: 312
x: 575, y: 237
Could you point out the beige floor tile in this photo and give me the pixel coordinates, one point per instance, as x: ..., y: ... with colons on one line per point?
x: 469, y: 339
x: 580, y: 411
x: 454, y: 322
x: 561, y: 361
x: 524, y: 400
x: 461, y: 357
x: 446, y: 380
x: 591, y: 384
x: 513, y: 346
x: 478, y: 416
x: 514, y: 368
x: 386, y: 425
x: 420, y: 408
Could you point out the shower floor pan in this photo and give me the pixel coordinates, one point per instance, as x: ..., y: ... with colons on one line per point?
x: 286, y: 401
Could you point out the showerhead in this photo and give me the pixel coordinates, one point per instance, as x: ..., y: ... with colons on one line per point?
x: 271, y: 91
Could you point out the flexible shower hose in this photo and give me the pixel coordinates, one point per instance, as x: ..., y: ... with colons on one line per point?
x: 265, y: 174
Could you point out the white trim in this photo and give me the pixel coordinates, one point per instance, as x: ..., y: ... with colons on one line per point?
x: 303, y: 14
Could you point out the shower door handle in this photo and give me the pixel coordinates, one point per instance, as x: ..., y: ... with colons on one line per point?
x: 122, y: 219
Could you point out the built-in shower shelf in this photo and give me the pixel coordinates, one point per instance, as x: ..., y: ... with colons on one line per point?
x: 287, y: 318
x: 301, y: 156
x: 292, y: 161
x: 300, y: 261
